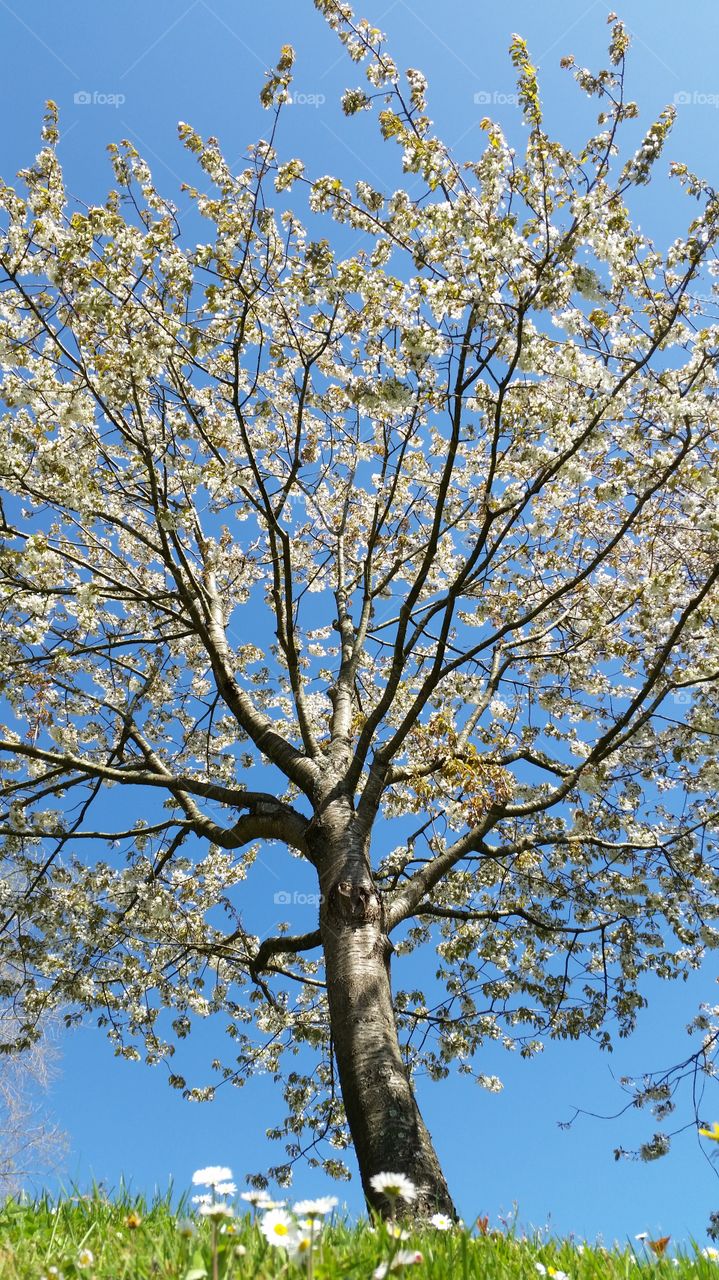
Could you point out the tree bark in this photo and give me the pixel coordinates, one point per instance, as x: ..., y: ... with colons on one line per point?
x: 388, y: 1132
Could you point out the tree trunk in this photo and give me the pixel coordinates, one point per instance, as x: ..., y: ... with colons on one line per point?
x: 388, y: 1132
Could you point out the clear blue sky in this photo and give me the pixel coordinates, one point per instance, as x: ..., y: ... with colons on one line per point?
x: 144, y: 67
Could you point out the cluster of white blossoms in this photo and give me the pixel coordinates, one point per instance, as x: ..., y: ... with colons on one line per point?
x: 498, y: 534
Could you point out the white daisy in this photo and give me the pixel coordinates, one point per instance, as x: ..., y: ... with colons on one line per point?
x: 279, y: 1228
x: 300, y: 1246
x: 441, y: 1222
x: 310, y: 1225
x: 218, y: 1209
x: 394, y: 1185
x: 261, y: 1200
x: 225, y: 1189
x: 405, y: 1258
x: 316, y: 1208
x: 211, y: 1176
x: 396, y: 1232
x: 85, y: 1258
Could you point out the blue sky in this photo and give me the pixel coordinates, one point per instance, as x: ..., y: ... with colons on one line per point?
x: 134, y: 70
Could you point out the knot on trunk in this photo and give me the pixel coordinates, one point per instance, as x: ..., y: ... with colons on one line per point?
x: 353, y: 902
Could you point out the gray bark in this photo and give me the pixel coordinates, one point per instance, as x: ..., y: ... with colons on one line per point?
x: 388, y: 1132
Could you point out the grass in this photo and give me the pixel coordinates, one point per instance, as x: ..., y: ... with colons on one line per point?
x: 94, y: 1238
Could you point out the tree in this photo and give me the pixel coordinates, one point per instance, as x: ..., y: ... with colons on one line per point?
x: 30, y: 1143
x: 395, y: 549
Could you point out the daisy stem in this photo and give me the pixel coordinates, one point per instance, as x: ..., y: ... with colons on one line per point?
x: 395, y: 1240
x: 310, y: 1260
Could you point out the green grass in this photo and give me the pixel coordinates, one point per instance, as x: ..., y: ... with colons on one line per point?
x: 37, y: 1237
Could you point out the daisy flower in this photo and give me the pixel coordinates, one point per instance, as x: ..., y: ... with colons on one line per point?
x: 316, y: 1208
x: 405, y: 1258
x: 279, y: 1228
x: 216, y: 1210
x: 311, y: 1225
x: 261, y: 1200
x: 299, y: 1246
x: 225, y: 1189
x: 396, y: 1232
x: 85, y: 1258
x: 396, y: 1186
x: 441, y: 1222
x: 211, y: 1176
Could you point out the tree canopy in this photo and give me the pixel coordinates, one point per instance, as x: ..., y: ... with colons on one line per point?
x: 405, y: 500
